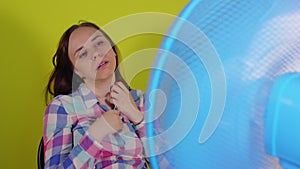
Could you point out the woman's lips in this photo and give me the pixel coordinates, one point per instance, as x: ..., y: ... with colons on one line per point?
x: 102, y: 65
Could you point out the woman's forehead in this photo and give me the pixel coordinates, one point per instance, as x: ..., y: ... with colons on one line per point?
x: 81, y: 36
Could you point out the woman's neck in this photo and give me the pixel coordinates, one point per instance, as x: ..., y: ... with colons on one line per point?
x: 101, y: 87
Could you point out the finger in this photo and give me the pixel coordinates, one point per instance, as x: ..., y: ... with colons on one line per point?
x: 114, y: 95
x: 113, y: 102
x: 116, y: 90
x: 113, y: 89
x: 109, y: 104
x: 121, y: 85
x: 115, y: 112
x: 117, y: 87
x: 113, y: 105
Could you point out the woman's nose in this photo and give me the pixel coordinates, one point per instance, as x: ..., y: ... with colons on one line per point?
x: 97, y: 54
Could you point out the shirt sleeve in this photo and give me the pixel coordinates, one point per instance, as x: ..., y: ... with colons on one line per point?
x: 141, y: 132
x: 140, y: 129
x: 60, y: 153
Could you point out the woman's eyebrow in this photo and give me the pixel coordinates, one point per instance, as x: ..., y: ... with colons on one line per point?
x: 97, y: 36
x: 94, y: 38
x: 77, y: 50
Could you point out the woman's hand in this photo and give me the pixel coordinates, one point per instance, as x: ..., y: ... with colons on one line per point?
x: 122, y: 99
x: 110, y: 122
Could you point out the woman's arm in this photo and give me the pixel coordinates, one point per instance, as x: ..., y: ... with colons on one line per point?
x: 58, y: 139
x: 140, y: 129
x: 139, y: 100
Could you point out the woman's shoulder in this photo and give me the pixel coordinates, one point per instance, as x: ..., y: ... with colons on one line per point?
x: 59, y: 99
x: 65, y: 101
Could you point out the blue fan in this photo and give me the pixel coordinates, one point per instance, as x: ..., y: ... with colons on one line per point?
x: 211, y: 87
x: 282, y: 121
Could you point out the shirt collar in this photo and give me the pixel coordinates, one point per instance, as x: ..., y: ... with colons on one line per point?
x: 87, y: 96
x: 90, y: 99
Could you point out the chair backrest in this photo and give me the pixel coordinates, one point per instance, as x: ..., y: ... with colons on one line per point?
x: 40, y: 155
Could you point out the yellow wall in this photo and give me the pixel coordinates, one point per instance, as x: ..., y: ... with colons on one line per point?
x: 30, y: 30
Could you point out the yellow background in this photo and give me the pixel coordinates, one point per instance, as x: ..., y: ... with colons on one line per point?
x: 30, y: 31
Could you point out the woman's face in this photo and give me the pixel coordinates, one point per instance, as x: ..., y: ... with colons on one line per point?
x: 91, y: 54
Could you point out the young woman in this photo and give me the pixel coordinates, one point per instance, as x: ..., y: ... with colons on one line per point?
x: 94, y: 120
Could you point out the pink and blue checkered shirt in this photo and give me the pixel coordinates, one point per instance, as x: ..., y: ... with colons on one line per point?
x: 67, y: 144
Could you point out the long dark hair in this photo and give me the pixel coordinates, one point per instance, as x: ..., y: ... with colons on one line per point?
x: 63, y: 80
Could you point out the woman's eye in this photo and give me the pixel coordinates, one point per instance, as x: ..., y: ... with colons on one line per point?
x: 99, y: 43
x: 83, y: 54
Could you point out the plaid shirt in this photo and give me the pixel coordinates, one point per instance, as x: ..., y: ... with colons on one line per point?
x: 67, y: 144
